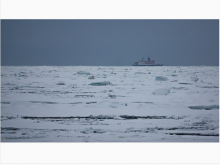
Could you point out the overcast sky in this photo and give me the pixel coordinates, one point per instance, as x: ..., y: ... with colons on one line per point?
x: 109, y: 42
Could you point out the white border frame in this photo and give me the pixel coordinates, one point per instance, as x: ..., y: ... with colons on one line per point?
x: 110, y: 9
x: 110, y: 152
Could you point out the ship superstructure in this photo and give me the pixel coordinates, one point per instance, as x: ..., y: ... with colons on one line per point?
x: 142, y: 62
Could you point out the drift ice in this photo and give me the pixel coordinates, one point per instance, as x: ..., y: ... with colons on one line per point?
x: 103, y: 83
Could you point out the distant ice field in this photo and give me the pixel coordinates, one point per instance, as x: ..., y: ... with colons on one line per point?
x: 109, y: 104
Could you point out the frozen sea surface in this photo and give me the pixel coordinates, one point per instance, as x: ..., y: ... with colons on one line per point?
x: 109, y: 104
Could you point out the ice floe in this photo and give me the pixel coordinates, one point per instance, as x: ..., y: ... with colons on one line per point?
x: 91, y: 77
x: 161, y: 91
x: 83, y: 73
x: 210, y: 107
x: 61, y: 83
x: 195, y: 79
x: 103, y: 83
x: 161, y: 78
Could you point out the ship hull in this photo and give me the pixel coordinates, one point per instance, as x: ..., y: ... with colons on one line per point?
x: 149, y: 65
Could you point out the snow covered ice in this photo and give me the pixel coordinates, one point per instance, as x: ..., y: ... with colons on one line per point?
x: 118, y: 104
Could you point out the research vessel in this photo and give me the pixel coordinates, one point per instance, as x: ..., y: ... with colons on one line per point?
x: 142, y: 62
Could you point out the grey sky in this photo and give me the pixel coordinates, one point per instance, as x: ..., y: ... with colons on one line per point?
x: 109, y: 42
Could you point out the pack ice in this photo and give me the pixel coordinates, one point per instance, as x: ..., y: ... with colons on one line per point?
x: 109, y: 104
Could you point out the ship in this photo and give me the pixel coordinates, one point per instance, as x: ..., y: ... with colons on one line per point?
x: 142, y: 62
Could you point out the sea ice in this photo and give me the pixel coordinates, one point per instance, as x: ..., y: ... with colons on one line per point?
x: 61, y: 83
x: 210, y: 107
x: 194, y: 79
x: 161, y: 78
x: 140, y: 73
x: 91, y: 77
x: 103, y: 83
x: 161, y: 91
x: 137, y: 108
x: 83, y: 72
